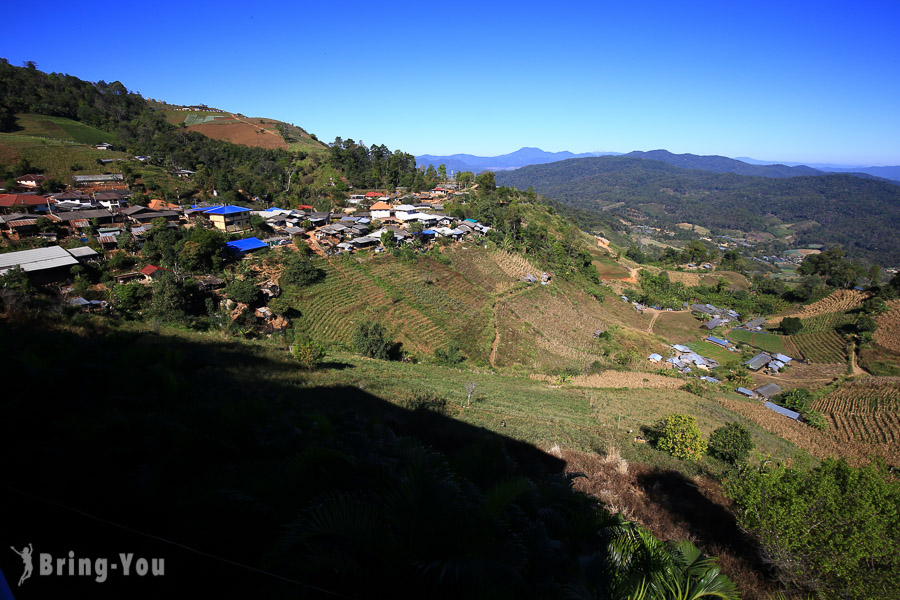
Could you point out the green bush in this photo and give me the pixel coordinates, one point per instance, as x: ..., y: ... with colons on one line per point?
x: 731, y: 443
x: 370, y: 339
x: 242, y: 290
x: 791, y: 325
x: 449, y: 357
x: 680, y: 436
x: 816, y: 419
x: 308, y: 353
x: 299, y: 271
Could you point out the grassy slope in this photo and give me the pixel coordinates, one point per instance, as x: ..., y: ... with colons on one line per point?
x: 54, y: 157
x: 61, y: 129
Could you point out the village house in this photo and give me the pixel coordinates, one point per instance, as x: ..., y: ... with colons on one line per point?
x: 31, y: 180
x: 229, y: 218
x: 29, y: 203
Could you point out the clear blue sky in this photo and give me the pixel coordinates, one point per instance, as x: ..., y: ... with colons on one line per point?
x: 792, y: 81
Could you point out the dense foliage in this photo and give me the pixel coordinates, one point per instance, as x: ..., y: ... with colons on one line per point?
x: 371, y: 339
x: 680, y: 436
x: 731, y: 443
x: 659, y: 290
x: 834, y: 529
x: 842, y: 206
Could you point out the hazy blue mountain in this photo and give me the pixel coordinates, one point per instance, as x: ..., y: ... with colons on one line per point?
x: 513, y: 160
x: 892, y: 173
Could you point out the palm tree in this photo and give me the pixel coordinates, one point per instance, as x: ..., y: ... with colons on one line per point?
x: 647, y: 569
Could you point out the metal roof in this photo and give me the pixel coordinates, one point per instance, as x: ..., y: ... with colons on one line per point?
x: 783, y: 411
x: 755, y: 322
x: 768, y: 390
x: 716, y: 340
x: 82, y: 251
x: 745, y: 391
x: 226, y: 210
x: 37, y: 259
x: 783, y: 358
x: 758, y: 361
x: 246, y: 245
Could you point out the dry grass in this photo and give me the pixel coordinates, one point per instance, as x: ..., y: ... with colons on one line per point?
x: 619, y: 379
x: 838, y: 301
x: 888, y: 333
x: 672, y: 507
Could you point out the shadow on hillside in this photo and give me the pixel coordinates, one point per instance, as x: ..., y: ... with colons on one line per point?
x: 709, y: 523
x: 213, y: 445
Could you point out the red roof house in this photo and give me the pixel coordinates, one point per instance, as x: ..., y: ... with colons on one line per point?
x: 152, y: 271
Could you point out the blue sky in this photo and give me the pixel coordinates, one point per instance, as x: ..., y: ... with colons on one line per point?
x: 791, y: 81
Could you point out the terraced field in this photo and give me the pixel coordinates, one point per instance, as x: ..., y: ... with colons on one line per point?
x: 827, y: 322
x: 822, y: 347
x: 769, y: 342
x: 838, y: 302
x: 866, y: 412
x: 888, y: 333
x: 429, y: 303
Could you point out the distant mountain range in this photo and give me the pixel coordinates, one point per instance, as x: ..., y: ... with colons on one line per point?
x: 520, y: 158
x: 885, y: 172
x: 861, y: 213
x: 715, y: 164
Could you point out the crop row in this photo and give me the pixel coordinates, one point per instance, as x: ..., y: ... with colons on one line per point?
x: 879, y: 427
x: 822, y: 347
x: 827, y: 322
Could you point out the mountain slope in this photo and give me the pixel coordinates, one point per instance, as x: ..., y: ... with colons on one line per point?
x: 842, y: 206
x: 722, y: 164
x: 513, y: 160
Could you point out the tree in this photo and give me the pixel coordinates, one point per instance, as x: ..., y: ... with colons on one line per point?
x: 242, y: 290
x: 168, y: 300
x: 442, y: 172
x: 371, y: 339
x: 731, y: 443
x: 833, y: 528
x: 791, y: 325
x: 680, y: 436
x: 300, y: 271
x: 130, y: 298
x: 308, y: 353
x: 486, y: 182
x: 387, y: 239
x: 470, y: 390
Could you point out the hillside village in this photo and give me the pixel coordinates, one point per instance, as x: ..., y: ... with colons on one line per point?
x: 266, y: 342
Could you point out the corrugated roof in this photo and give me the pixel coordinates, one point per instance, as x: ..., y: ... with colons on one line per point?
x: 768, y: 390
x: 226, y: 210
x: 783, y: 358
x: 758, y: 361
x: 38, y: 259
x: 246, y: 245
x: 83, y: 251
x: 783, y: 411
x: 745, y: 391
x: 716, y: 340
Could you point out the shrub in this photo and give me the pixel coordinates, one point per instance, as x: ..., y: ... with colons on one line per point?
x: 242, y: 290
x: 816, y: 419
x: 300, y: 271
x: 308, y: 354
x: 680, y: 436
x: 791, y: 325
x: 731, y: 443
x: 449, y: 357
x: 370, y: 339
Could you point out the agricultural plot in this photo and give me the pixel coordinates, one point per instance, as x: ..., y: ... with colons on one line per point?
x: 838, y: 302
x: 768, y: 342
x: 717, y: 353
x: 827, y: 322
x: 429, y: 304
x: 54, y: 157
x: 61, y: 128
x: 866, y: 413
x: 823, y: 347
x: 476, y: 264
x: 888, y: 333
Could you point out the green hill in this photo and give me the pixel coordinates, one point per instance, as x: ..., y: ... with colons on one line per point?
x: 841, y: 206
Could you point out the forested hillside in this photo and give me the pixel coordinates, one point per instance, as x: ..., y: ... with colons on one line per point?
x: 843, y: 206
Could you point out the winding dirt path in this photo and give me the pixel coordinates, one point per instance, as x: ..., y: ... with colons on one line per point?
x: 655, y: 314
